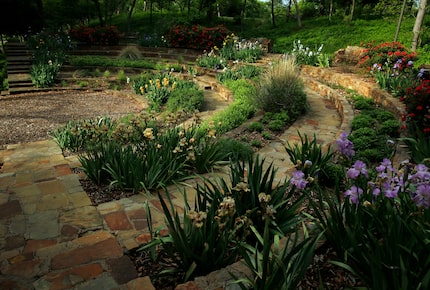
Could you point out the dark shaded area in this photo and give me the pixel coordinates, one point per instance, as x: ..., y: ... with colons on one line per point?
x: 21, y: 16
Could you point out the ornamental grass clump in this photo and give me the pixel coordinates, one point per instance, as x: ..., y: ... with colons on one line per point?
x: 281, y: 88
x: 377, y: 220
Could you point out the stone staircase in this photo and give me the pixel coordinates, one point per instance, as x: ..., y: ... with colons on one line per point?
x: 18, y: 58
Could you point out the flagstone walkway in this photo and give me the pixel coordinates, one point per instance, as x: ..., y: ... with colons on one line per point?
x: 52, y: 237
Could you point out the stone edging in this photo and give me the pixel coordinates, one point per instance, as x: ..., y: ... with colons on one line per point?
x: 343, y: 107
x: 366, y: 89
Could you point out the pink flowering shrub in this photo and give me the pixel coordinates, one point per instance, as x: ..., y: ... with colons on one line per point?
x: 197, y: 37
x: 417, y: 102
x: 106, y: 35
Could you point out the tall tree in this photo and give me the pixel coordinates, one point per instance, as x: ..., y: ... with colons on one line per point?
x: 272, y: 11
x: 330, y: 13
x: 352, y: 11
x: 418, y: 23
x: 129, y: 14
x: 399, y: 23
x: 298, y: 17
x: 99, y: 12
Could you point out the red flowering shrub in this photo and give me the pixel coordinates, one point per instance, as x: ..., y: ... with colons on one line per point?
x: 107, y: 35
x: 417, y: 101
x: 386, y: 53
x: 196, y: 36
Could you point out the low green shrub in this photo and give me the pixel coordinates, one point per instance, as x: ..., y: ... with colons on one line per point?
x: 390, y: 128
x: 384, y: 115
x: 362, y: 120
x: 239, y: 111
x: 266, y: 135
x: 256, y: 143
x: 276, y: 125
x: 188, y: 100
x: 255, y: 127
x: 281, y: 89
x: 121, y: 77
x: 363, y: 132
x: 362, y: 103
x: 235, y: 150
x: 106, y: 61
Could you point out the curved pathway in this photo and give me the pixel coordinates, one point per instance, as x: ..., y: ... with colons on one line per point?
x: 51, y: 237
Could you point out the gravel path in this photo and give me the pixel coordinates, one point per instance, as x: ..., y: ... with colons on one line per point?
x: 31, y: 116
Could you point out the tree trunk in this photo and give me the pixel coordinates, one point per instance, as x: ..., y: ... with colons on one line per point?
x: 288, y: 14
x: 299, y: 20
x: 418, y: 23
x: 188, y: 9
x: 352, y: 11
x: 99, y: 11
x: 330, y: 13
x: 399, y: 23
x: 272, y: 12
x: 130, y: 12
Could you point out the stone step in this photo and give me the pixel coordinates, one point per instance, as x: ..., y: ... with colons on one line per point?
x: 18, y: 58
x: 13, y: 64
x: 23, y: 84
x: 21, y: 67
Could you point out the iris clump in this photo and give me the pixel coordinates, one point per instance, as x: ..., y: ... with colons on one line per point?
x: 379, y: 222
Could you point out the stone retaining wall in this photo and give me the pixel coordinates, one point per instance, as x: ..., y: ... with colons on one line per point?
x: 367, y: 89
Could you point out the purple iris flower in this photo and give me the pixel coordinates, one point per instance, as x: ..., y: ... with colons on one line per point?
x: 298, y: 180
x: 358, y: 168
x: 422, y: 196
x: 353, y: 193
x: 345, y: 146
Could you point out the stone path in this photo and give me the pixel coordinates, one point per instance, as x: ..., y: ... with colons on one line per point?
x: 51, y: 237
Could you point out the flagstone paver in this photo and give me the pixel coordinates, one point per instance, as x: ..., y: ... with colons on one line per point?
x: 52, y: 237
